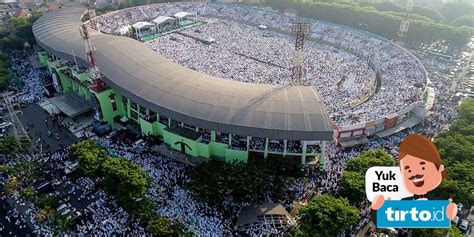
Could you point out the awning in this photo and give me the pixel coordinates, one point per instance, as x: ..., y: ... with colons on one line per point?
x: 70, y: 104
x: 182, y: 14
x: 140, y: 25
x: 162, y: 19
x: 50, y: 108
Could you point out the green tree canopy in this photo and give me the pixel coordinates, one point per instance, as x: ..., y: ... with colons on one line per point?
x: 90, y: 156
x: 352, y: 186
x: 213, y: 181
x: 9, y: 145
x: 452, y: 10
x: 459, y: 191
x: 160, y: 226
x: 383, y: 23
x: 327, y: 216
x: 452, y: 232
x: 125, y: 180
x: 368, y: 159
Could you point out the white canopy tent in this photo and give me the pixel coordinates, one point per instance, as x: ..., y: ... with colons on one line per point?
x: 163, y: 21
x: 140, y: 26
x: 181, y: 16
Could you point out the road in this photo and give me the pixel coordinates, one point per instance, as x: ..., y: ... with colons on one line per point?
x: 34, y: 121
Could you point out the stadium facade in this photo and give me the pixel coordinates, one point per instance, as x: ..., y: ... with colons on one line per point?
x: 181, y: 105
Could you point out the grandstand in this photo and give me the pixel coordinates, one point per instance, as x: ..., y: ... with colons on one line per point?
x: 208, y: 113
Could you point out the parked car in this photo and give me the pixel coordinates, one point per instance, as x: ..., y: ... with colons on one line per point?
x: 44, y: 187
x: 464, y: 225
x: 71, y: 167
x: 62, y: 207
x: 74, y: 216
x: 5, y: 124
x: 67, y: 211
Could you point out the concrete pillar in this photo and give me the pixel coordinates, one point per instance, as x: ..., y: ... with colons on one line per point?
x: 213, y: 136
x: 265, y: 153
x: 303, y: 153
x: 248, y: 142
x: 322, y: 158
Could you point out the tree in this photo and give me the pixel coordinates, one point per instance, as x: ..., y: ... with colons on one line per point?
x: 90, y: 156
x: 27, y: 171
x: 9, y: 145
x: 453, y: 9
x: 464, y: 21
x: 455, y: 148
x: 45, y: 213
x: 125, y: 180
x: 142, y: 209
x: 452, y: 232
x: 368, y: 159
x: 214, y: 181
x: 459, y: 191
x: 327, y: 216
x: 382, y: 23
x: 352, y: 186
x: 466, y: 110
x: 29, y: 193
x: 461, y: 171
x: 160, y: 226
x: 13, y: 184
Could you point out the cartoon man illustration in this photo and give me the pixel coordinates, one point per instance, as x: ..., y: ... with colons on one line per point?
x: 421, y: 171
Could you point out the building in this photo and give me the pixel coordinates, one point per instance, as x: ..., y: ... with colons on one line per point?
x: 200, y: 115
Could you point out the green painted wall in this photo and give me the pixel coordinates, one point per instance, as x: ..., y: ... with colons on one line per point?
x: 43, y: 58
x: 146, y: 127
x: 158, y: 128
x: 236, y: 155
x: 175, y: 142
x: 106, y: 105
x: 218, y: 149
x: 203, y: 150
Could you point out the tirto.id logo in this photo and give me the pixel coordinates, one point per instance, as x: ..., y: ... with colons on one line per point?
x: 413, y: 214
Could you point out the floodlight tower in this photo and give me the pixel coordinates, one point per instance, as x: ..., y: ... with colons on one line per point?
x: 91, y: 8
x: 21, y: 136
x: 206, y: 2
x: 300, y: 31
x: 94, y: 73
x: 405, y: 24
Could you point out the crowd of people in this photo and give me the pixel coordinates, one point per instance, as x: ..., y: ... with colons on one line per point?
x: 439, y: 118
x: 168, y: 176
x: 353, y: 77
x: 342, y: 64
x: 33, y: 89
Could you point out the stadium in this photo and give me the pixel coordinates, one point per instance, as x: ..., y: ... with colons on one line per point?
x: 176, y: 72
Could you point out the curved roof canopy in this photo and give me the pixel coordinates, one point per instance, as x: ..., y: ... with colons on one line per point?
x: 151, y: 80
x: 141, y: 25
x: 162, y: 19
x: 182, y: 14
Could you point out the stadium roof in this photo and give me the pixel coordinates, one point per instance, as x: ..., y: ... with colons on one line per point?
x: 147, y: 78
